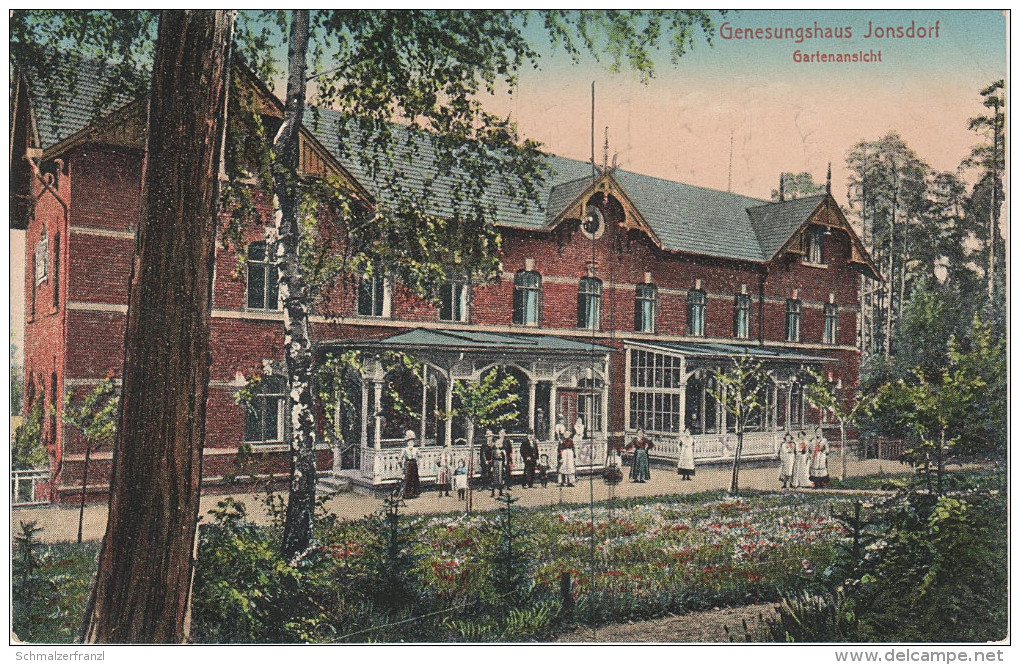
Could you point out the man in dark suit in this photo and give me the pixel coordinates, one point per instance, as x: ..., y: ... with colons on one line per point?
x: 529, y: 456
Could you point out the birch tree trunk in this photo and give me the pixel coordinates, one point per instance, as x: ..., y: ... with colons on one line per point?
x: 297, y: 530
x: 142, y: 585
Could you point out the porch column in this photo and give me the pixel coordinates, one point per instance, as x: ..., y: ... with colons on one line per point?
x: 789, y: 400
x: 552, y: 410
x: 774, y: 411
x: 337, y: 425
x: 605, y: 408
x: 720, y: 411
x: 449, y: 407
x: 683, y: 393
x: 424, y: 402
x: 531, y: 404
x: 364, y: 413
x: 377, y: 391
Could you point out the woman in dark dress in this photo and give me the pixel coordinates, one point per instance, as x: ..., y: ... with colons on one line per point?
x: 409, y: 458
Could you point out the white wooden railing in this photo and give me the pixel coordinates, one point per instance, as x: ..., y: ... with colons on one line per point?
x: 385, y: 465
x: 714, y: 447
x: 25, y: 486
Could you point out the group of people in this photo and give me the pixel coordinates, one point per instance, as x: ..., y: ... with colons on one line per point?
x: 804, y: 462
x: 640, y: 466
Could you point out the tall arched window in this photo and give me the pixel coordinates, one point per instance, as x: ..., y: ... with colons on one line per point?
x: 374, y: 294
x: 696, y: 312
x: 741, y: 316
x: 263, y: 278
x: 793, y: 309
x: 527, y: 298
x: 589, y: 302
x: 645, y: 304
x: 831, y: 323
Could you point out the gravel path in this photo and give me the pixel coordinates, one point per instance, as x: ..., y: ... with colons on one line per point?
x: 696, y: 627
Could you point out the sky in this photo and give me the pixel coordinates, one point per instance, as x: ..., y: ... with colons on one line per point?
x: 782, y: 115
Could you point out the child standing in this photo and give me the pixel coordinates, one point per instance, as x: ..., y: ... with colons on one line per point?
x: 542, y: 470
x: 460, y: 479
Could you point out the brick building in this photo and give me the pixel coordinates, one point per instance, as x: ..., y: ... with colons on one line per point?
x: 619, y: 295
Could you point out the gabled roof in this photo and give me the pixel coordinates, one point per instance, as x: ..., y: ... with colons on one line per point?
x: 679, y: 217
x: 89, y: 99
x: 775, y: 223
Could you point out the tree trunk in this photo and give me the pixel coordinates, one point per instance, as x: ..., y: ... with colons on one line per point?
x: 84, y: 486
x: 889, y: 278
x: 471, y: 463
x: 842, y: 445
x: 297, y: 341
x: 734, y: 485
x: 142, y: 586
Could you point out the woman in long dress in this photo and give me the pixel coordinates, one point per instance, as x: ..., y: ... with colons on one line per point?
x: 819, y: 472
x: 409, y: 459
x: 787, y: 455
x: 685, y: 461
x: 639, y: 468
x: 567, y: 466
x: 802, y: 471
x: 499, y: 471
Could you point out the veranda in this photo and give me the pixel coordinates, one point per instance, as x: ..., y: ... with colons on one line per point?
x: 557, y: 379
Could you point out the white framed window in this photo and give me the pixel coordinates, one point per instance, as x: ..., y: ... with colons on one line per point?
x: 374, y: 294
x: 696, y: 312
x: 589, y: 302
x: 646, y: 300
x: 455, y: 300
x: 831, y: 324
x: 527, y: 298
x: 793, y: 311
x: 263, y: 278
x: 741, y: 316
x: 263, y: 414
x: 815, y: 250
x: 42, y: 257
x: 656, y: 390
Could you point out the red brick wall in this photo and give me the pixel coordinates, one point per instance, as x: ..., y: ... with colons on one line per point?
x: 103, y: 188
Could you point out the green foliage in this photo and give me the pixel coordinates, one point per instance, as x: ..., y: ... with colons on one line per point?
x: 244, y: 590
x: 17, y: 380
x: 488, y: 402
x: 921, y: 568
x: 393, y: 583
x: 27, y: 449
x: 96, y: 415
x: 742, y: 391
x: 511, y: 562
x: 797, y: 185
x: 812, y: 617
x: 49, y: 587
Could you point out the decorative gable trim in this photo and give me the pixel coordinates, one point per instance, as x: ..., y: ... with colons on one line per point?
x: 606, y: 184
x: 828, y: 214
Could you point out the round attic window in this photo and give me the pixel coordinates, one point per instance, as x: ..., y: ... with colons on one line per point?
x: 594, y: 224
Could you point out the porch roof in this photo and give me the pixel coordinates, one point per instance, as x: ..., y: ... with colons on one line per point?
x: 720, y: 350
x: 420, y: 339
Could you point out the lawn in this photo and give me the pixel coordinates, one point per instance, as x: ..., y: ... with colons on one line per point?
x: 517, y: 575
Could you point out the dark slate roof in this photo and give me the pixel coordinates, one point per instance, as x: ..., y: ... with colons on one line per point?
x: 719, y: 350
x: 457, y: 340
x: 694, y: 219
x: 89, y: 99
x: 774, y: 223
x: 684, y: 217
